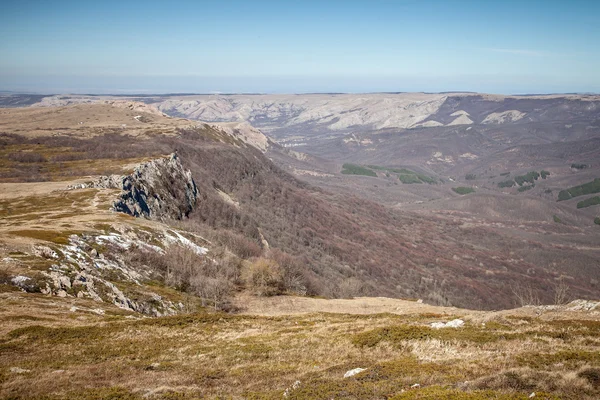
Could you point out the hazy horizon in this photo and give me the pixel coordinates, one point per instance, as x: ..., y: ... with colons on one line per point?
x: 507, y: 47
x: 124, y: 86
x: 134, y: 93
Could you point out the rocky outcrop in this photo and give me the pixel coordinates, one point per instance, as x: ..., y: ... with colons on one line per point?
x: 98, y: 266
x: 79, y: 271
x: 159, y: 189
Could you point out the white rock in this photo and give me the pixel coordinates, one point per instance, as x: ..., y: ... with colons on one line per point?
x: 289, y: 390
x: 461, y: 120
x: 44, y: 251
x: 17, y: 370
x: 459, y: 113
x: 153, y: 366
x: 583, y: 305
x: 65, y: 281
x: 532, y: 395
x: 353, y: 372
x: 415, y: 386
x: 19, y: 280
x: 455, y: 323
x: 503, y: 117
x: 438, y: 325
x: 180, y: 239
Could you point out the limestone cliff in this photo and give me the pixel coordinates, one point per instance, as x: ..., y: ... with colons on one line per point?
x: 160, y: 189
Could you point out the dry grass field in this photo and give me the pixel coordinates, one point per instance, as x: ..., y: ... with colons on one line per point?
x: 54, y: 348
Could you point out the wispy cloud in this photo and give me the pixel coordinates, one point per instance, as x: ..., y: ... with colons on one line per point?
x: 520, y: 52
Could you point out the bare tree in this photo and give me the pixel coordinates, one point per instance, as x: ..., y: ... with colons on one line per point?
x: 561, y: 292
x: 526, y: 295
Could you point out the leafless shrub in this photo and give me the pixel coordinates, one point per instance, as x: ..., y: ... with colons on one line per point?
x: 294, y: 273
x: 143, y: 260
x: 350, y: 288
x: 315, y: 286
x: 24, y: 173
x: 5, y: 275
x: 11, y: 139
x: 525, y: 295
x: 239, y: 244
x: 27, y: 157
x: 561, y: 292
x: 212, y: 290
x: 181, y: 264
x: 592, y: 375
x: 264, y: 277
x: 180, y: 267
x: 68, y: 157
x: 210, y: 279
x: 569, y: 383
x: 437, y: 295
x: 27, y: 165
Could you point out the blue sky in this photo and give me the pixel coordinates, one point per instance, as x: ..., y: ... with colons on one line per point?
x: 300, y: 46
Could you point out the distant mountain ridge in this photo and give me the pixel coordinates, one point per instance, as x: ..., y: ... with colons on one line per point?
x: 343, y: 112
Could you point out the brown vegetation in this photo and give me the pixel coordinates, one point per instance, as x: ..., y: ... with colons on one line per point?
x: 61, y: 354
x: 325, y: 243
x: 263, y: 277
x: 333, y: 245
x: 279, y: 236
x: 338, y: 241
x: 211, y: 279
x: 62, y: 157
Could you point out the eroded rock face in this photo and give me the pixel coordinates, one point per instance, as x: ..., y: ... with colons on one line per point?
x: 159, y: 189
